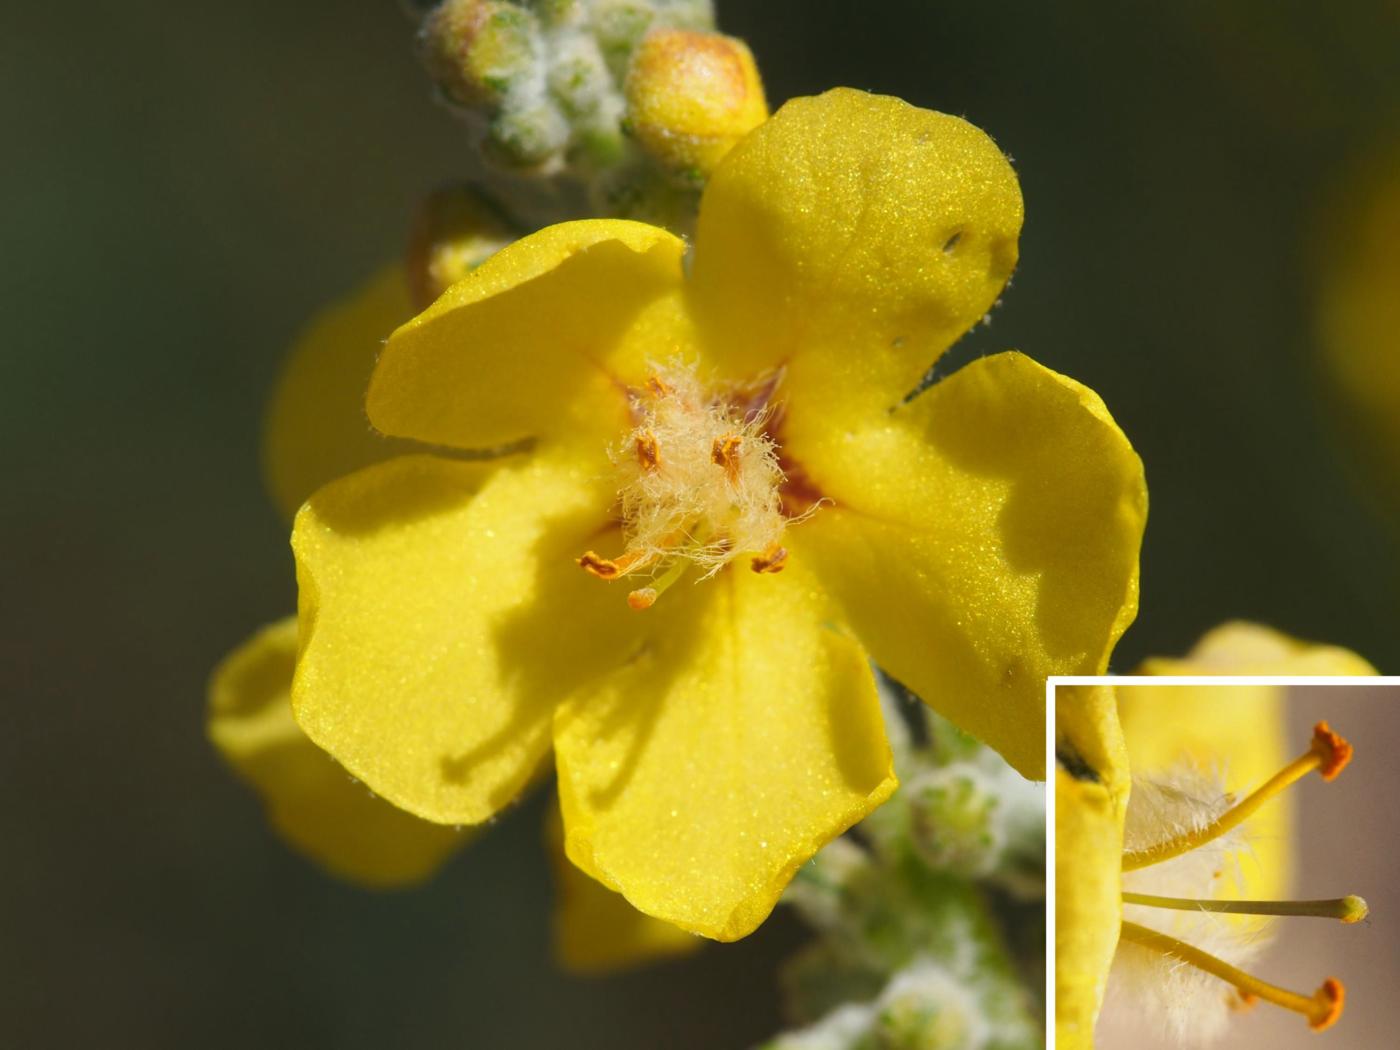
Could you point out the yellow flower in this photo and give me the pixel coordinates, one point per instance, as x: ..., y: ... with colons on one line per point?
x: 1166, y: 839
x: 971, y: 540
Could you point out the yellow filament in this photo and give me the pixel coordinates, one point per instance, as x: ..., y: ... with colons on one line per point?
x: 1347, y: 909
x: 1321, y: 1009
x: 1328, y: 753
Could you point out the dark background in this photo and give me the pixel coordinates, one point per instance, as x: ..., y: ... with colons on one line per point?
x: 181, y: 185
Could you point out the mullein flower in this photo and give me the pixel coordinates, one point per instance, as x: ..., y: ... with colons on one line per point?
x: 728, y: 507
x: 1171, y: 841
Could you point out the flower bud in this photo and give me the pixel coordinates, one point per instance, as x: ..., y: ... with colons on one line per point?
x: 455, y: 231
x: 925, y: 1008
x: 951, y: 820
x: 477, y: 49
x: 691, y: 96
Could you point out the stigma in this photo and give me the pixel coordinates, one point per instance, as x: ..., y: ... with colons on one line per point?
x: 699, y: 483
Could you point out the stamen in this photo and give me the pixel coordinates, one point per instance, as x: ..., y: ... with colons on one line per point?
x: 774, y: 559
x: 1328, y: 754
x: 648, y: 453
x: 603, y: 568
x: 609, y: 568
x: 1321, y: 1009
x: 657, y: 388
x: 725, y: 453
x: 1348, y: 909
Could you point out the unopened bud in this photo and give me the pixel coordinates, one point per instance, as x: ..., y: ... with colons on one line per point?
x: 456, y: 230
x: 925, y: 1008
x: 951, y: 820
x: 691, y: 96
x: 477, y: 49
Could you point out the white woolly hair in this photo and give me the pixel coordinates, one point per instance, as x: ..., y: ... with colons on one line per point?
x: 1151, y: 991
x: 686, y: 505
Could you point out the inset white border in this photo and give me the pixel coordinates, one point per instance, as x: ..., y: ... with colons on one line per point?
x: 1165, y: 681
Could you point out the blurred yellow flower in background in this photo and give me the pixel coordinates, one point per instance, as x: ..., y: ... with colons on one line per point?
x: 1358, y: 313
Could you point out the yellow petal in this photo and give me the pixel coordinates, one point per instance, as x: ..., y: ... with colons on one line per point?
x: 311, y: 801
x: 1236, y: 729
x: 595, y: 929
x: 441, y: 624
x: 983, y: 537
x: 316, y: 429
x: 853, y: 237
x: 537, y: 341
x: 1091, y: 793
x: 696, y: 779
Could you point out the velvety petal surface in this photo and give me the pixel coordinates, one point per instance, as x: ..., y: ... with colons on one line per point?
x: 595, y: 930
x: 731, y: 747
x: 311, y: 801
x: 316, y: 429
x: 1091, y: 796
x: 539, y: 340
x: 982, y: 537
x: 1235, y: 729
x: 442, y: 618
x: 851, y: 238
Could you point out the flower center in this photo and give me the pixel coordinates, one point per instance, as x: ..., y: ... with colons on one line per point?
x: 1196, y: 831
x: 700, y: 483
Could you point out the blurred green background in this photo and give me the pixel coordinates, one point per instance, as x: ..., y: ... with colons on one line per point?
x: 184, y: 184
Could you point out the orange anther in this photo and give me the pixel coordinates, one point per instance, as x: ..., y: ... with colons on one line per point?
x: 725, y: 453
x: 610, y: 568
x: 1331, y: 997
x: 603, y: 568
x: 657, y: 388
x: 1332, y: 749
x: 771, y: 560
x: 642, y: 598
x: 648, y: 454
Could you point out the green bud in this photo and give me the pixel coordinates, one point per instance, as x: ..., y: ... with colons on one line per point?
x: 924, y: 1008
x: 951, y: 820
x: 545, y: 80
x: 479, y: 51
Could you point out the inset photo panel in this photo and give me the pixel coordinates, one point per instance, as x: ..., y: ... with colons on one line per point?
x: 1224, y: 853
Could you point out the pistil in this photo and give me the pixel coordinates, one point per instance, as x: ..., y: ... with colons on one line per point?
x: 1348, y: 909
